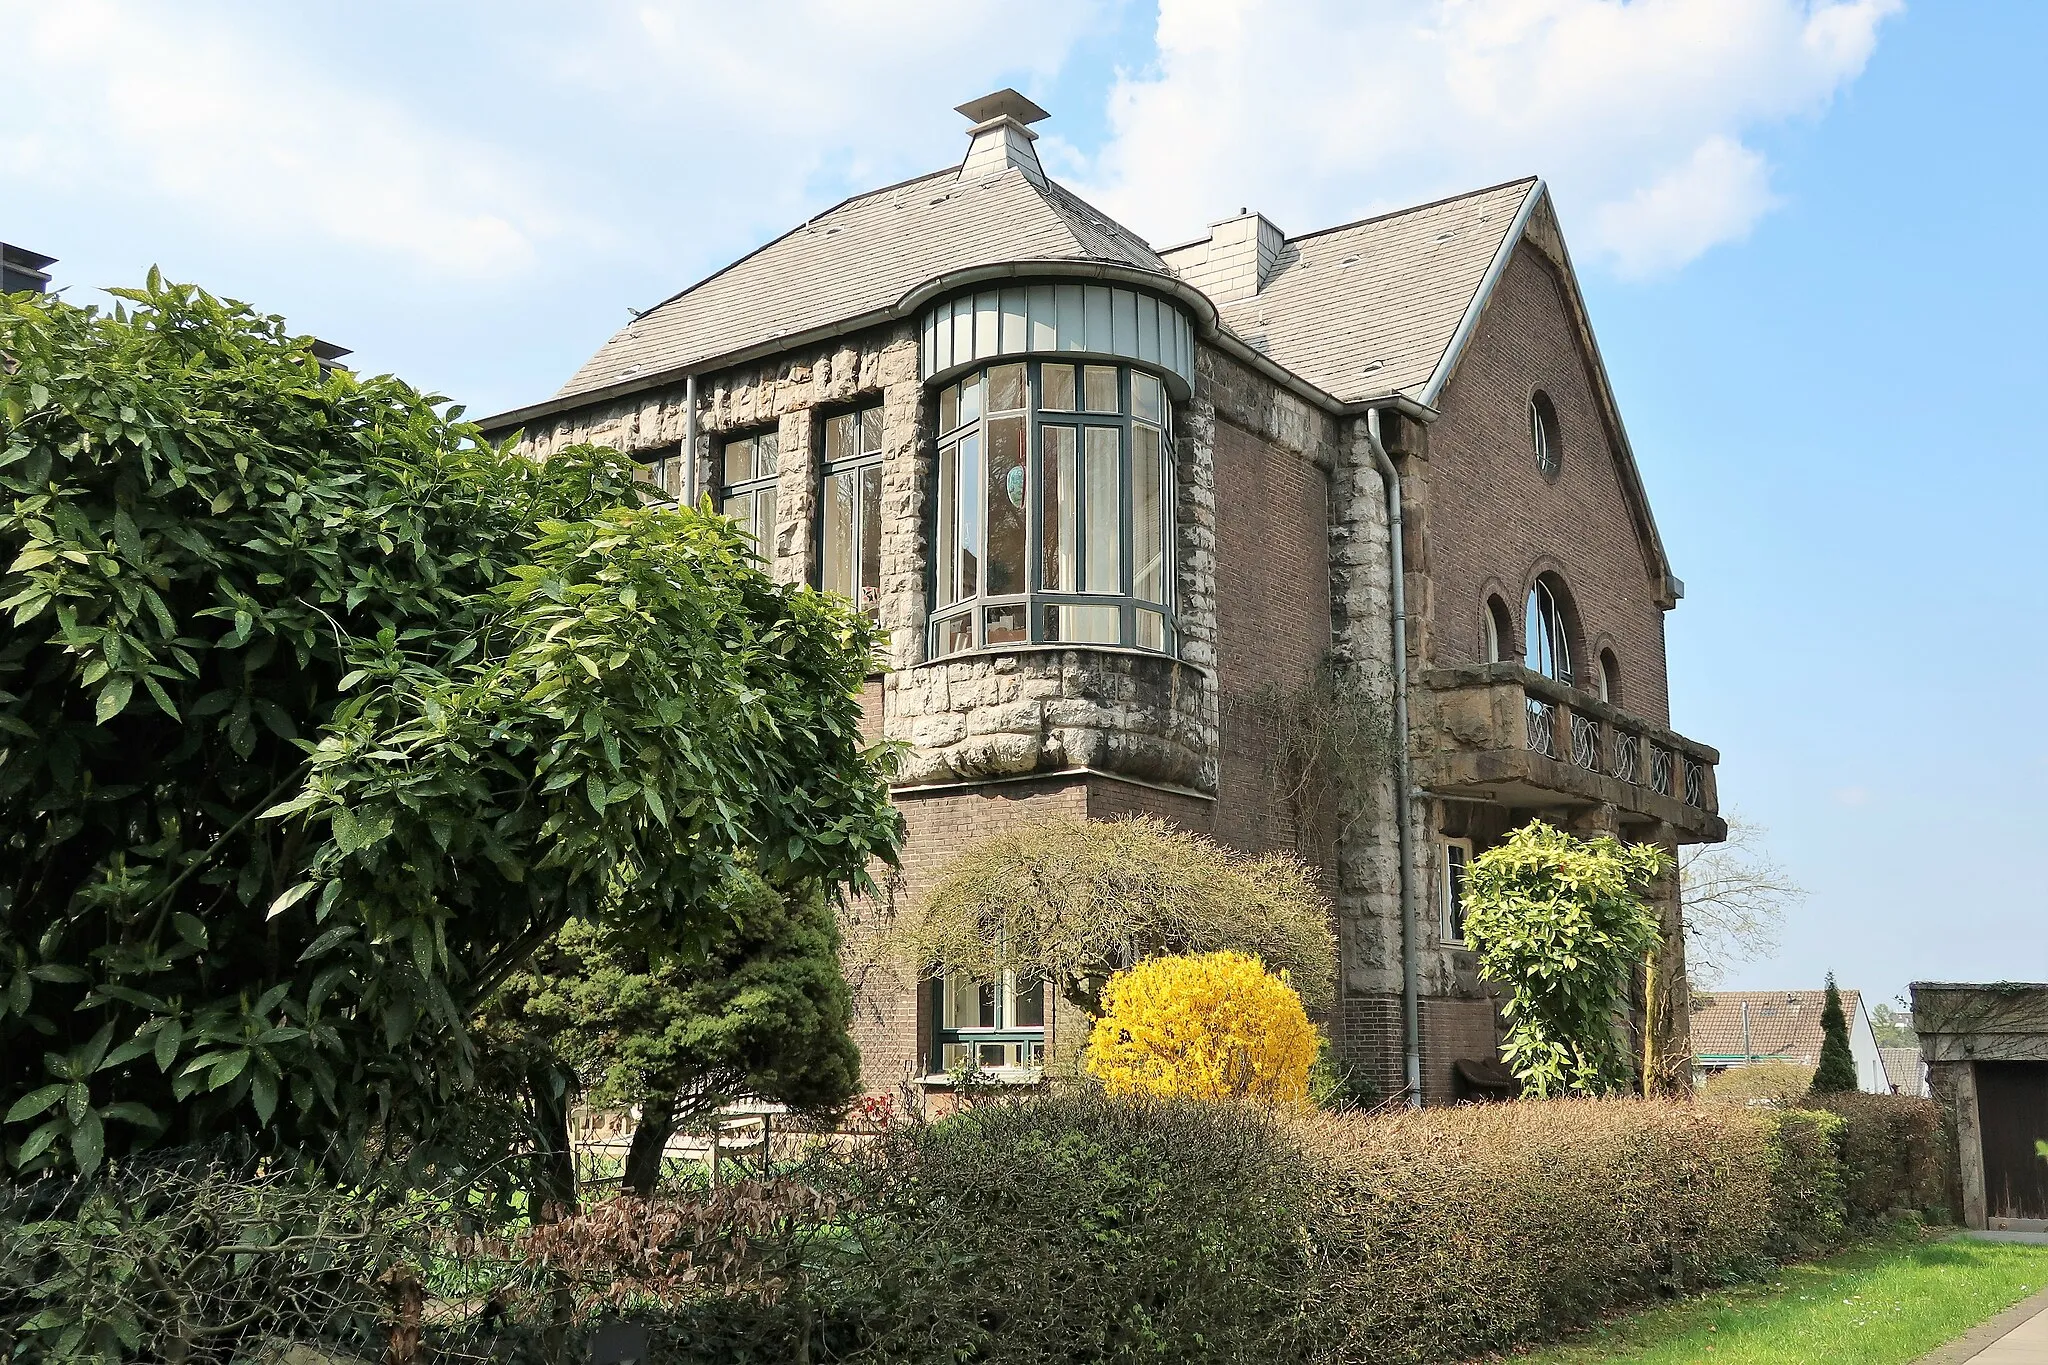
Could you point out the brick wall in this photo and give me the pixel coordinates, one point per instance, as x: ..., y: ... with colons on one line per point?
x: 1453, y: 1029
x: 1493, y: 520
x: 1272, y: 628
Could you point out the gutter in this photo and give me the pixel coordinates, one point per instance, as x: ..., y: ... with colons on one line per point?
x: 1411, y: 1005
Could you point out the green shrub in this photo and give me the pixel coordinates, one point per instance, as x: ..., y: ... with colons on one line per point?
x: 1807, y: 1213
x: 1445, y: 1233
x: 1895, y: 1155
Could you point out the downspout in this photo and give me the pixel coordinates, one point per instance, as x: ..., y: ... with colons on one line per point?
x: 690, y: 441
x: 1411, y: 1007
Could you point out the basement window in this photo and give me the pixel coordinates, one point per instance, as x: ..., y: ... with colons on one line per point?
x: 1054, y: 509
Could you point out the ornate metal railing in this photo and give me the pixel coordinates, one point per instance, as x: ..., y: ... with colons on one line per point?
x: 1542, y: 738
x: 1695, y: 783
x: 1660, y: 770
x: 1586, y: 742
x: 1628, y: 756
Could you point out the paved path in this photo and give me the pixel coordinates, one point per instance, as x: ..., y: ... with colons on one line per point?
x: 2018, y: 1336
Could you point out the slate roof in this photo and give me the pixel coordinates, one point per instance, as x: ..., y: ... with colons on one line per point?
x: 860, y: 256
x: 1367, y: 309
x: 1784, y: 1026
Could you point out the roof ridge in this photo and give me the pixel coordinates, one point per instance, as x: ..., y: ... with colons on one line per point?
x: 805, y: 225
x: 1064, y: 201
x: 1530, y: 180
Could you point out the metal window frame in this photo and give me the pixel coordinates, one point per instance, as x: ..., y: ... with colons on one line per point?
x: 1450, y: 925
x: 1036, y: 596
x: 749, y: 487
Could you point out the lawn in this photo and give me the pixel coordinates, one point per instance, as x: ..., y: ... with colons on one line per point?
x: 1882, y: 1304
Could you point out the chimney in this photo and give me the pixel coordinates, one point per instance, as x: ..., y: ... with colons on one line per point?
x: 1001, y: 136
x: 1234, y: 261
x: 22, y: 269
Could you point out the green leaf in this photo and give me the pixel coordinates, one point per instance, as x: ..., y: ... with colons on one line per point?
x: 263, y: 1090
x: 88, y: 1143
x: 293, y: 896
x: 113, y: 698
x: 35, y: 1102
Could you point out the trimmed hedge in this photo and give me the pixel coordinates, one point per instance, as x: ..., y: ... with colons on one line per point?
x: 1895, y: 1156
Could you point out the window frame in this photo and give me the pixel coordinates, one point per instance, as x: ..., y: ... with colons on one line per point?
x: 1552, y: 626
x: 764, y: 537
x: 863, y: 459
x: 1036, y: 598
x: 1033, y: 1040
x: 655, y: 465
x: 1450, y: 894
x: 1545, y: 442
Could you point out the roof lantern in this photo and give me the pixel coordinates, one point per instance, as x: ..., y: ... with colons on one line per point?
x: 1001, y: 136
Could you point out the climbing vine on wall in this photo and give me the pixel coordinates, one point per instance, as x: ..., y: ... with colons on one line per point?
x: 1325, y: 742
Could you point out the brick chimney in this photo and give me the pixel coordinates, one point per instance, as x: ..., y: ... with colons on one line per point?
x: 1001, y: 136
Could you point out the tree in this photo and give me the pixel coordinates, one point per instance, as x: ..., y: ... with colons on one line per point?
x: 1562, y: 923
x: 1894, y: 1027
x: 1208, y: 1026
x: 1074, y: 902
x: 1734, y: 897
x: 1837, y: 1070
x: 764, y: 1012
x: 321, y: 714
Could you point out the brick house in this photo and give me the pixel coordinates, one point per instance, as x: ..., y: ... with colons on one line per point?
x: 1120, y: 508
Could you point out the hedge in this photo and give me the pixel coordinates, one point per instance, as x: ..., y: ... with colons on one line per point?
x: 1075, y: 1227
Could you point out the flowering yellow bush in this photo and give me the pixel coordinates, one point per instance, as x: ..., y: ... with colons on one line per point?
x: 1209, y: 1026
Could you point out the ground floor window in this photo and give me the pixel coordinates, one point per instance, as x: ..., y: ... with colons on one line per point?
x: 1457, y: 861
x: 989, y: 1025
x: 850, y: 526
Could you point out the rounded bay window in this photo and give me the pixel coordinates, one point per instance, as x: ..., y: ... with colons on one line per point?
x: 1054, y: 502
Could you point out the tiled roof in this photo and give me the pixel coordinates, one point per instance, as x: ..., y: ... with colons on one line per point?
x: 858, y: 257
x: 1902, y: 1067
x: 1368, y: 309
x: 1784, y: 1026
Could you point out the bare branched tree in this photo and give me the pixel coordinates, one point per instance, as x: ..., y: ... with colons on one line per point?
x: 1735, y: 896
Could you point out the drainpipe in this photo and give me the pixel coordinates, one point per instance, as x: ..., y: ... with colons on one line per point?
x: 690, y: 441
x: 1411, y: 1008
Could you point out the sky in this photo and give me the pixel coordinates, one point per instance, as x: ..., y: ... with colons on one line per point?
x: 1808, y: 232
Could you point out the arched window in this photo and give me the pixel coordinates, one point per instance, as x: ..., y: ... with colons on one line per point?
x: 1500, y: 632
x: 1549, y: 642
x: 1610, y: 677
x: 1543, y: 434
x: 1055, y: 498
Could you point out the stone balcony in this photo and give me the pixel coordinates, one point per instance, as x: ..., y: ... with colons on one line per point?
x: 1500, y: 733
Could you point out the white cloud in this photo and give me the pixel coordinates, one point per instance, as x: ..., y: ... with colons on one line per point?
x: 1321, y: 110
x: 129, y: 98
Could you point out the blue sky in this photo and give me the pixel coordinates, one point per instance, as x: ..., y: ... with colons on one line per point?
x: 1808, y: 231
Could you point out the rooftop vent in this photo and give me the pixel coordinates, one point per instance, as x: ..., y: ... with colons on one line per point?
x: 1001, y: 136
x: 22, y: 269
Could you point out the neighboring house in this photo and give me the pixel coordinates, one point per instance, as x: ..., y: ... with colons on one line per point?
x: 1737, y: 1028
x: 22, y: 269
x: 1119, y: 508
x: 1904, y: 1069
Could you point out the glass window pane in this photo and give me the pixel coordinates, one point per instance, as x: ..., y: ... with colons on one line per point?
x: 1005, y: 625
x: 949, y: 408
x: 739, y: 460
x: 1101, y: 385
x: 1006, y: 388
x: 765, y: 447
x: 740, y: 509
x: 871, y: 431
x: 955, y: 633
x: 1102, y: 556
x: 1148, y: 516
x: 970, y: 399
x: 948, y: 560
x: 953, y: 1056
x: 839, y: 434
x: 1151, y: 630
x: 1005, y: 506
x: 870, y: 577
x: 1084, y: 625
x: 1060, y: 516
x: 764, y: 521
x: 1056, y: 387
x: 957, y: 1001
x: 970, y: 515
x: 989, y: 1056
x: 985, y: 1005
x: 1028, y: 1004
x: 835, y: 566
x: 1148, y: 400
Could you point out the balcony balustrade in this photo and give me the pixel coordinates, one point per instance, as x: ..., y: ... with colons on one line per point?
x: 1503, y: 733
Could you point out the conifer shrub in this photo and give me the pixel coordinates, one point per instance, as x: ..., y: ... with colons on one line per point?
x: 1836, y: 1073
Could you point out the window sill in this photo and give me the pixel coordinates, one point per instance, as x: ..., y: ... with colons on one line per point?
x: 1023, y: 1077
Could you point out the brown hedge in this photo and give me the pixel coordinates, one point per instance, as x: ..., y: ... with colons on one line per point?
x: 1896, y: 1155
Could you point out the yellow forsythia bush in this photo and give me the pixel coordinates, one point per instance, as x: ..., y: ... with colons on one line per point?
x: 1208, y: 1026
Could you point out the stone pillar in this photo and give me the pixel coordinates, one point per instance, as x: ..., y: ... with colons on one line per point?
x: 1670, y: 1021
x: 906, y: 516
x: 1194, y: 457
x: 796, y: 498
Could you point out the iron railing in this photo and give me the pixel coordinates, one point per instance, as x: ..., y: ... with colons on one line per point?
x: 1542, y: 727
x: 1586, y: 742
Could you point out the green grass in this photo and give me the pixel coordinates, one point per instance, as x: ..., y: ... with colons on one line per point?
x: 1881, y: 1304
